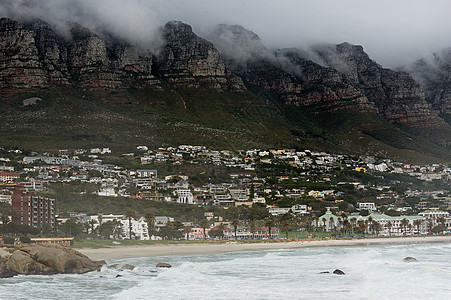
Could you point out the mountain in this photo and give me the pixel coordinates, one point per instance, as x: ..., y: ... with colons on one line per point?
x: 434, y: 74
x: 226, y: 91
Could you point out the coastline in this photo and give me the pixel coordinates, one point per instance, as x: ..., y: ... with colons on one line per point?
x: 120, y: 252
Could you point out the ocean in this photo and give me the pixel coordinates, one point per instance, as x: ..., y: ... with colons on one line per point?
x: 374, y: 272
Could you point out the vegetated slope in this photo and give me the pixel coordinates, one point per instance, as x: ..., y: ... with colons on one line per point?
x: 89, y: 90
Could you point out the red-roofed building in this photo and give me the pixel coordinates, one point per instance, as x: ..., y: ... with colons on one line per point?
x: 9, y: 176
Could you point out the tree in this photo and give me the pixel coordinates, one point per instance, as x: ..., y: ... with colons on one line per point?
x: 353, y: 222
x: 130, y: 213
x: 417, y: 224
x: 438, y: 229
x: 187, y: 231
x: 106, y: 229
x: 362, y: 226
x: 253, y: 228
x: 324, y: 223
x: 204, y: 224
x: 170, y: 233
x: 269, y: 222
x: 404, y: 223
x: 100, y: 219
x: 286, y: 225
x: 71, y: 228
x: 92, y: 223
x: 216, y: 233
x: 150, y: 220
x: 389, y: 226
x: 235, y: 223
x: 377, y: 227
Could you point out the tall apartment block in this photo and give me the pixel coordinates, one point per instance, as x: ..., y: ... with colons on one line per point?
x: 33, y: 210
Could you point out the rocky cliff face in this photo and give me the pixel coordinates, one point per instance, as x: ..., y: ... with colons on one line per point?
x: 296, y: 80
x: 434, y: 74
x: 188, y: 60
x: 397, y: 96
x: 33, y: 55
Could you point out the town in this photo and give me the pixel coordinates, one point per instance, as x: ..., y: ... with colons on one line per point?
x: 195, y: 193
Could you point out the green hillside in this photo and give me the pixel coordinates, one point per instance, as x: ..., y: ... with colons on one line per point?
x: 71, y: 118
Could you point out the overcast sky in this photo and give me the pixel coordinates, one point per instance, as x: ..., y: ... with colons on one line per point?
x: 393, y: 32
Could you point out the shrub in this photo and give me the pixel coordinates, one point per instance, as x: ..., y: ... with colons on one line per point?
x: 8, y: 240
x: 25, y: 239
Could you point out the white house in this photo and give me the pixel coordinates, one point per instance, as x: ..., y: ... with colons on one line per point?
x: 185, y: 196
x: 367, y: 205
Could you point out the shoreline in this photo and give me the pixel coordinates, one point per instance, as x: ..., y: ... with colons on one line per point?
x: 121, y: 252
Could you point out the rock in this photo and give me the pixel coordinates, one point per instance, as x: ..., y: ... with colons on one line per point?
x: 118, y: 275
x: 398, y: 98
x: 338, y: 272
x: 163, y: 265
x: 51, y: 259
x: 127, y: 267
x: 113, y: 266
x: 100, y: 263
x: 22, y: 263
x: 325, y: 272
x: 409, y: 259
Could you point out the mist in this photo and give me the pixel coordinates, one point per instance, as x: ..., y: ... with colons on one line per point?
x: 392, y: 32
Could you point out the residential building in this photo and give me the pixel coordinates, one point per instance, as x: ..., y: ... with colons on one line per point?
x: 9, y: 176
x: 185, y: 196
x: 371, y: 206
x: 33, y: 210
x: 147, y: 173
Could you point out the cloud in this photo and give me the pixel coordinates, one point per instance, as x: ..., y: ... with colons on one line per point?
x: 392, y: 32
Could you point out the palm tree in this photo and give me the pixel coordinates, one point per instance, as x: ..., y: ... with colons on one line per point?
x: 389, y: 225
x: 324, y: 223
x: 235, y: 223
x: 332, y: 223
x: 150, y: 220
x: 369, y: 222
x: 204, y: 224
x: 377, y: 227
x: 253, y: 228
x: 187, y: 231
x: 417, y: 224
x: 100, y: 219
x: 404, y: 223
x: 353, y: 222
x: 130, y: 213
x: 92, y: 223
x: 269, y: 222
x: 286, y: 225
x: 117, y: 229
x: 362, y: 226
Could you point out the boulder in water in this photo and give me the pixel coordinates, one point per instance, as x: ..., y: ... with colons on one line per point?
x: 163, y: 265
x: 324, y: 272
x: 47, y: 260
x: 338, y: 272
x: 128, y: 267
x: 409, y: 259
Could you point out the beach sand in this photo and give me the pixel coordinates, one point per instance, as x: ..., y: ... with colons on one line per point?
x: 118, y: 252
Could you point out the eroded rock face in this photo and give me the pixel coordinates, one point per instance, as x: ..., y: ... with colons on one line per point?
x: 434, y: 74
x: 19, y: 60
x: 33, y: 55
x: 396, y: 95
x: 298, y: 81
x: 188, y: 60
x: 47, y: 260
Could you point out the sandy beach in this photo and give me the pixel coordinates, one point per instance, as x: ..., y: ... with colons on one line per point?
x: 118, y: 252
